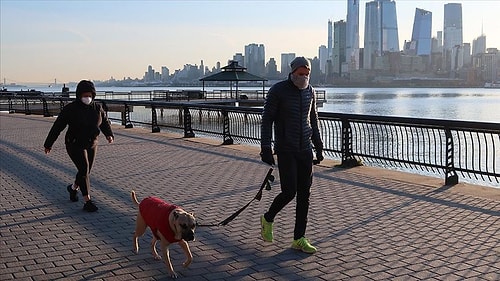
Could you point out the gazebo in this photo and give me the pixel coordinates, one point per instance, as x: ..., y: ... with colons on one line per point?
x: 233, y: 72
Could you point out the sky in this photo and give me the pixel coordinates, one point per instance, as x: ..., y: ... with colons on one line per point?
x: 63, y: 41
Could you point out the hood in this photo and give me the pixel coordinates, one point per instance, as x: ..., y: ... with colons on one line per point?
x: 83, y: 87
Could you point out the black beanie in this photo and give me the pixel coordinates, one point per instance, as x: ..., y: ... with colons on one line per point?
x: 298, y: 62
x: 85, y: 86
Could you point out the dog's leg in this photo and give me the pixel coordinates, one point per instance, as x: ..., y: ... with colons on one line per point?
x: 140, y: 228
x: 189, y: 257
x: 153, y: 249
x: 166, y: 255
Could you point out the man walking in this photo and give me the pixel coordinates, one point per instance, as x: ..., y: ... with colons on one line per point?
x: 291, y: 107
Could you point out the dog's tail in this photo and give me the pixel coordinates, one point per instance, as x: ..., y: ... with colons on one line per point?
x: 134, y: 198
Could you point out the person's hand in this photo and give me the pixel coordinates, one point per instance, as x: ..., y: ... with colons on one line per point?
x: 110, y: 139
x: 47, y: 150
x: 319, y: 156
x: 266, y: 154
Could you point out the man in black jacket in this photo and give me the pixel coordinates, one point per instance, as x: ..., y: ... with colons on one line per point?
x: 85, y: 120
x: 291, y: 106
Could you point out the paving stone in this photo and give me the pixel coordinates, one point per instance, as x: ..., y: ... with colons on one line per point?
x: 368, y: 223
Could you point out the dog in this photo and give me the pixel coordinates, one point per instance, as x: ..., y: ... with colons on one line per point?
x: 169, y: 224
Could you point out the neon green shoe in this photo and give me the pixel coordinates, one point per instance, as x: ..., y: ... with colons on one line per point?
x: 266, y: 229
x: 303, y: 245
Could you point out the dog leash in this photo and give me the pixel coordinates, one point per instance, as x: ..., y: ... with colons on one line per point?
x: 265, y: 184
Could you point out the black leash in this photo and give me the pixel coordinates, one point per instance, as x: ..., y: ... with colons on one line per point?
x: 265, y: 184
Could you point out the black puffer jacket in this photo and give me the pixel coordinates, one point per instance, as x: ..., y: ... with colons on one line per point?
x: 84, y: 124
x: 293, y: 112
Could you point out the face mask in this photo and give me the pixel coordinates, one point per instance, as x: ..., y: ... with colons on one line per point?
x: 301, y: 81
x: 86, y: 100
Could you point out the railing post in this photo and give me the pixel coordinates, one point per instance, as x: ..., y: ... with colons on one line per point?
x: 188, y: 130
x: 61, y: 105
x: 348, y: 160
x: 45, y: 108
x: 27, y: 110
x: 11, y: 106
x: 154, y: 121
x: 126, y: 117
x: 226, y: 134
x: 105, y: 107
x: 451, y: 177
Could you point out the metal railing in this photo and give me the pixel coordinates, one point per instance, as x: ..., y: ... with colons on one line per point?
x: 470, y: 150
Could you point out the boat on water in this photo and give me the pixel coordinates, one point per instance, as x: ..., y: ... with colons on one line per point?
x: 495, y: 85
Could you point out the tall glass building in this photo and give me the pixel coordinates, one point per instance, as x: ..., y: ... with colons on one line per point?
x: 422, y: 32
x: 330, y: 39
x: 479, y: 45
x: 381, y: 30
x: 286, y: 59
x: 352, y: 35
x: 255, y: 57
x: 339, y: 47
x: 452, y: 35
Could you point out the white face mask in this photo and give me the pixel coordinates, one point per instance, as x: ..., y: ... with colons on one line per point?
x: 86, y: 100
x: 301, y: 81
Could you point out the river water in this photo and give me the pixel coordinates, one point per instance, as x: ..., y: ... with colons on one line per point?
x: 466, y: 104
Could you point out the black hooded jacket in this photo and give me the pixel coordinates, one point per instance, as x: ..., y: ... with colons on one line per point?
x: 84, y: 124
x: 293, y: 112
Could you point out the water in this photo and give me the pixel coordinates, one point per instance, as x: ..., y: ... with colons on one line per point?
x: 465, y: 104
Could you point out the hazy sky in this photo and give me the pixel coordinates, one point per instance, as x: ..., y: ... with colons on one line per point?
x: 73, y: 40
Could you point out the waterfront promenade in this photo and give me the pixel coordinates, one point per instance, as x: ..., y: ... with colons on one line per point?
x: 368, y: 223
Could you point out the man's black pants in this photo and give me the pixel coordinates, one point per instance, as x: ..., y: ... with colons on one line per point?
x: 295, y: 169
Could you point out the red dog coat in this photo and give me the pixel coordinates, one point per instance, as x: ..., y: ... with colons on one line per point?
x: 155, y: 213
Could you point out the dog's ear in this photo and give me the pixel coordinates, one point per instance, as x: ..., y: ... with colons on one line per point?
x: 176, y: 214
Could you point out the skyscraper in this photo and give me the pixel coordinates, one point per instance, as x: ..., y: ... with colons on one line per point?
x: 381, y: 30
x: 239, y: 58
x: 452, y: 36
x: 339, y: 46
x: 255, y: 59
x: 479, y: 45
x: 330, y: 39
x: 323, y: 58
x: 422, y: 32
x: 286, y: 59
x: 352, y: 35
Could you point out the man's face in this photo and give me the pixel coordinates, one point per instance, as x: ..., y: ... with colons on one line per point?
x: 300, y: 77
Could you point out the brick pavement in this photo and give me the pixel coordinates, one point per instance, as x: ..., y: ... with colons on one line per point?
x: 369, y: 224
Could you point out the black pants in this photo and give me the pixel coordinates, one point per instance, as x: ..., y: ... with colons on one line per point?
x: 83, y: 158
x: 295, y: 170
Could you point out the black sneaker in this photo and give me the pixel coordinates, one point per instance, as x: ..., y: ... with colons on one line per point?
x: 89, y: 206
x: 73, y: 194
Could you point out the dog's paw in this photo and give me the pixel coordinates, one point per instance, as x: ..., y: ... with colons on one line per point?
x: 157, y: 257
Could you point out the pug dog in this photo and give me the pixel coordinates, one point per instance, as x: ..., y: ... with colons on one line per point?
x: 169, y: 224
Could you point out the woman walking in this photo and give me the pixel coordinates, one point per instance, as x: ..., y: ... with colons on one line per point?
x: 85, y: 120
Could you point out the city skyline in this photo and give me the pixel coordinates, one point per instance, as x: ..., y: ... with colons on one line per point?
x: 72, y: 40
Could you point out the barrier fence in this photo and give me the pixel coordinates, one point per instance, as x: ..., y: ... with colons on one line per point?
x: 453, y: 149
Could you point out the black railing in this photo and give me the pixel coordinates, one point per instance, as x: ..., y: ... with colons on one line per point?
x: 470, y: 150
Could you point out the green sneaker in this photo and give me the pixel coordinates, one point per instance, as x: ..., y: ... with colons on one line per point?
x: 303, y: 245
x: 266, y: 229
